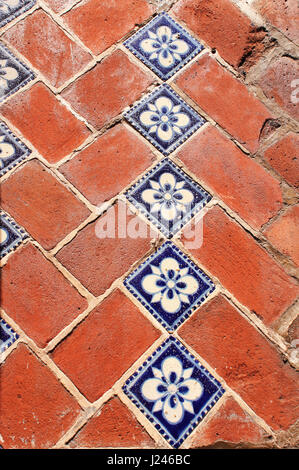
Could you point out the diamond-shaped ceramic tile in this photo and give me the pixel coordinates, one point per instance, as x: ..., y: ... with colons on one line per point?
x: 169, y: 285
x: 163, y: 46
x: 7, y: 336
x: 13, y: 74
x: 10, y: 9
x: 167, y: 197
x: 164, y: 119
x: 11, y: 235
x: 173, y: 390
x: 12, y: 150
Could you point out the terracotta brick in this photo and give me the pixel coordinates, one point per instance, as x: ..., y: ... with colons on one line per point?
x: 101, y: 23
x: 223, y: 26
x: 37, y: 296
x: 238, y: 180
x: 243, y: 267
x: 102, y: 93
x: 36, y: 410
x: 49, y: 125
x: 47, y: 48
x: 283, y: 157
x: 41, y: 204
x: 279, y: 83
x: 225, y: 99
x: 98, y: 262
x: 113, y: 426
x: 246, y: 360
x: 283, y: 233
x: 105, y: 345
x: 283, y: 14
x: 119, y: 156
x: 230, y: 425
x: 59, y: 5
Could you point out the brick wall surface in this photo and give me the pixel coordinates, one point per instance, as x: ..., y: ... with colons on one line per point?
x: 149, y: 226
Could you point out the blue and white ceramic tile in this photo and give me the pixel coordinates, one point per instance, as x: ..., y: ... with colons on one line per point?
x: 169, y: 285
x: 7, y: 336
x: 163, y: 46
x: 173, y: 390
x: 13, y: 74
x: 11, y: 235
x: 164, y: 119
x: 12, y: 150
x: 167, y: 197
x: 10, y: 9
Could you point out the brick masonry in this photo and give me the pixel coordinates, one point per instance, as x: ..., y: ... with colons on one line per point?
x: 69, y: 320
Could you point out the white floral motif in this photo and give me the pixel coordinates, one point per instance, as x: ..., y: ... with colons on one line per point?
x: 6, y: 74
x: 164, y: 46
x: 170, y: 285
x: 6, y: 150
x: 172, y: 390
x: 164, y: 119
x: 168, y: 196
x: 7, y: 5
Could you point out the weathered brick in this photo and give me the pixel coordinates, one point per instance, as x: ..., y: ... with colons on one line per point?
x: 243, y: 267
x: 37, y: 296
x: 224, y: 27
x: 41, y: 204
x: 59, y: 5
x: 280, y: 84
x: 283, y: 157
x: 283, y: 233
x: 47, y: 48
x: 230, y: 425
x: 102, y: 93
x: 113, y: 426
x: 246, y: 360
x: 238, y: 180
x: 97, y: 262
x: 36, y: 410
x: 283, y: 14
x: 225, y: 99
x: 293, y: 332
x: 105, y: 345
x: 119, y: 156
x: 42, y: 119
x: 101, y: 23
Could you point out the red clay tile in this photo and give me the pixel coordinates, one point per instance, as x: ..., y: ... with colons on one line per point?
x: 104, y: 168
x: 283, y: 157
x: 283, y: 14
x: 36, y: 410
x: 41, y: 204
x: 102, y: 93
x: 101, y: 23
x: 37, y: 296
x: 105, y: 345
x: 48, y: 124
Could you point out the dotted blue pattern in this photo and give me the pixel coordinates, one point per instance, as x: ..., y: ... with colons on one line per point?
x: 164, y: 46
x: 12, y: 150
x: 134, y: 117
x: 7, y: 336
x: 175, y: 434
x: 9, y: 13
x: 12, y: 235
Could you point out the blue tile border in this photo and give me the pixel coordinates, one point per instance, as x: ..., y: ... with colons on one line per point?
x: 7, y: 336
x: 8, y: 142
x: 147, y: 33
x: 134, y: 388
x: 14, y: 12
x: 15, y: 235
x: 174, y: 111
x: 170, y: 321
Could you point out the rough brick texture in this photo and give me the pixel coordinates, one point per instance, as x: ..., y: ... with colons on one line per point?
x: 283, y: 14
x: 59, y: 5
x: 243, y: 267
x: 113, y: 426
x: 28, y: 282
x: 119, y: 156
x: 102, y: 93
x: 105, y: 345
x: 47, y: 48
x: 100, y: 23
x: 36, y: 410
x: 46, y: 208
x: 223, y: 26
x: 239, y: 181
x: 48, y: 124
x: 283, y: 157
x: 244, y: 358
x: 225, y: 99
